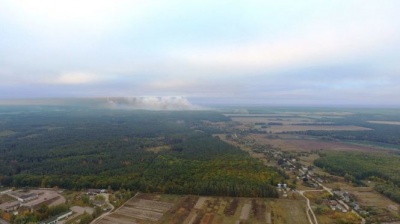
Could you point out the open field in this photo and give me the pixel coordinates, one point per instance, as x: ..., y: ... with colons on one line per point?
x: 288, y: 128
x: 368, y: 197
x: 284, y: 121
x: 279, y: 124
x: 296, y: 143
x: 287, y: 211
x: 292, y: 114
x: 153, y: 208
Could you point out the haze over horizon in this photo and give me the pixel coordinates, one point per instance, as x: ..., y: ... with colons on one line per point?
x: 243, y: 52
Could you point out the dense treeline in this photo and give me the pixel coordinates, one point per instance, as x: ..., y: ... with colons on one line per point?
x: 168, y: 152
x: 357, y: 166
x: 390, y: 190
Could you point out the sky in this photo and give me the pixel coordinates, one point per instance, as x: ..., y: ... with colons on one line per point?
x: 310, y: 52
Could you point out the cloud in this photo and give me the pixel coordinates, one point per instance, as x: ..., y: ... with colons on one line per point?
x: 252, y: 50
x: 170, y: 84
x: 74, y: 78
x: 48, y: 16
x: 316, y: 44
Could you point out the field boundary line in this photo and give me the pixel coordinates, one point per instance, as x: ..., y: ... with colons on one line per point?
x: 112, y: 212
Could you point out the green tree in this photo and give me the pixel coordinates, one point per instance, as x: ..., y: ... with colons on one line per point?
x: 86, y: 218
x: 85, y: 199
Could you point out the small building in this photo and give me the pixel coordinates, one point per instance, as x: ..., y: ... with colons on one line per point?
x: 12, y: 207
x: 58, y: 218
x: 27, y: 197
x: 95, y: 191
x: 332, y: 204
x: 5, y: 191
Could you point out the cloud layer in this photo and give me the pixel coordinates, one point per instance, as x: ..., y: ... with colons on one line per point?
x: 258, y: 52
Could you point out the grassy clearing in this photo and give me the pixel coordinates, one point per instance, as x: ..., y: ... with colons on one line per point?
x: 158, y: 149
x: 287, y: 211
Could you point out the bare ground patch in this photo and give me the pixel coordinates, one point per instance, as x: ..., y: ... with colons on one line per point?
x: 245, y: 213
x: 183, y: 212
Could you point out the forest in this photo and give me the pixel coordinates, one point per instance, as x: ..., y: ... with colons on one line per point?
x: 149, y: 151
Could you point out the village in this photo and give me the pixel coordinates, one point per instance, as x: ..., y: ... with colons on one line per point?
x: 336, y: 200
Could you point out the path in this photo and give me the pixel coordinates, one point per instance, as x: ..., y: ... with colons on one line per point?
x: 309, y: 209
x: 112, y: 210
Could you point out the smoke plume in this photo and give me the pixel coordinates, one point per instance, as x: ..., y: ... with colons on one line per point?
x: 150, y: 103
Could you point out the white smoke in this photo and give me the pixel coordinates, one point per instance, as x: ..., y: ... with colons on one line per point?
x: 125, y: 103
x: 151, y: 103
